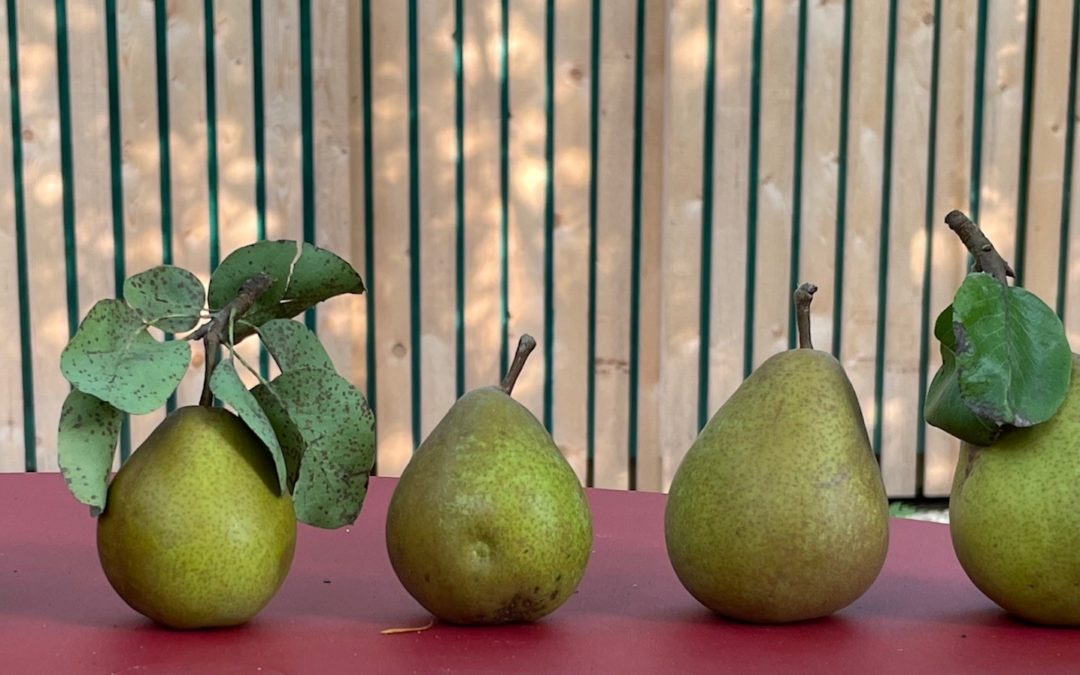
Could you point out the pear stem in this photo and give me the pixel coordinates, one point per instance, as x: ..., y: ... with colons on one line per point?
x: 525, y: 346
x: 987, y: 259
x: 212, y: 332
x: 804, y: 295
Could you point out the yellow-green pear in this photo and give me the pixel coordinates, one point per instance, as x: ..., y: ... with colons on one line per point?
x: 195, y: 533
x: 489, y: 524
x: 1015, y: 516
x: 778, y: 513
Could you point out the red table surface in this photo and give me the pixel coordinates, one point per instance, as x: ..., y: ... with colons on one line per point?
x: 59, y: 615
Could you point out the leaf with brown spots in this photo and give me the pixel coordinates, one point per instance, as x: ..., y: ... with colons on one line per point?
x: 89, y: 428
x: 167, y: 297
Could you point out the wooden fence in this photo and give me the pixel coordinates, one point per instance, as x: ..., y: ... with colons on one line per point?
x: 637, y: 183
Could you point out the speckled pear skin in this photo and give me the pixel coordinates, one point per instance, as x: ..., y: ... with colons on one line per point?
x: 489, y: 524
x: 1015, y: 516
x: 194, y: 534
x: 778, y: 513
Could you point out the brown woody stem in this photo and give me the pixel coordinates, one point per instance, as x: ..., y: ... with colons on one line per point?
x: 804, y: 295
x: 987, y: 259
x: 525, y: 346
x: 212, y: 332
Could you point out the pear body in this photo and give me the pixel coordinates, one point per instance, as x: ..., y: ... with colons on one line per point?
x: 778, y: 513
x: 1014, y: 516
x: 194, y: 533
x: 489, y: 524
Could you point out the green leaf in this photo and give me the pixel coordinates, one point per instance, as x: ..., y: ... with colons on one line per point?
x: 944, y: 407
x: 226, y: 384
x: 113, y: 357
x: 167, y: 297
x: 304, y: 275
x: 1012, y: 356
x: 89, y: 428
x: 338, y: 429
x: 293, y: 345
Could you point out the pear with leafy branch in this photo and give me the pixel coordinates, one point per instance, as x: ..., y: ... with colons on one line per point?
x: 198, y: 528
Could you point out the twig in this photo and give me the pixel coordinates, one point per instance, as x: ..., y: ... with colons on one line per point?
x: 212, y: 331
x: 987, y: 259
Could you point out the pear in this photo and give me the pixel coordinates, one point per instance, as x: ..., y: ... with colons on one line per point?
x: 777, y: 513
x: 195, y: 534
x: 489, y: 524
x: 1015, y: 516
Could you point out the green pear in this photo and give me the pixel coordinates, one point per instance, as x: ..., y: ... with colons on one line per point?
x: 777, y: 513
x: 195, y: 533
x: 489, y: 524
x: 1015, y: 516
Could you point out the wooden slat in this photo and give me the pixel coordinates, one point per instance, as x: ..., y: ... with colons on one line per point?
x: 1071, y: 305
x: 483, y: 332
x: 281, y: 70
x: 140, y: 155
x: 650, y: 455
x: 11, y: 408
x: 863, y: 208
x: 911, y: 107
x: 188, y: 165
x: 772, y: 287
x: 613, y: 223
x: 687, y: 44
x: 335, y: 78
x: 390, y: 107
x: 357, y: 372
x: 570, y: 367
x: 1050, y: 98
x: 45, y: 240
x: 438, y: 217
x: 952, y: 177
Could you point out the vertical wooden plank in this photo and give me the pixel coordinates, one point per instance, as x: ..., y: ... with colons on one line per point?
x: 650, y: 455
x: 687, y: 44
x: 528, y: 182
x: 438, y: 218
x: 907, y: 204
x: 284, y: 195
x: 357, y: 372
x: 615, y: 192
x: 188, y: 161
x: 952, y: 176
x: 481, y: 57
x: 334, y: 74
x: 390, y: 107
x: 45, y: 241
x: 1047, y: 157
x: 820, y: 172
x: 141, y: 155
x: 772, y: 292
x: 863, y: 208
x: 569, y: 370
x: 11, y: 403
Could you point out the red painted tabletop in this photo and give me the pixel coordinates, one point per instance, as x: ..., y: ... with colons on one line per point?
x: 59, y: 615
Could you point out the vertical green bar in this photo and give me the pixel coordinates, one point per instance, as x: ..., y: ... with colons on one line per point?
x: 708, y: 140
x: 797, y: 178
x: 635, y: 240
x: 459, y: 194
x: 975, y: 186
x: 549, y: 215
x: 414, y: 218
x: 1024, y: 172
x: 1066, y: 189
x: 883, y: 242
x: 928, y: 238
x: 116, y: 166
x: 259, y: 131
x: 594, y: 153
x: 841, y: 183
x: 504, y: 182
x: 307, y: 135
x: 67, y: 170
x: 162, y: 75
x: 369, y: 204
x: 752, y: 185
x: 25, y: 348
x: 211, y: 130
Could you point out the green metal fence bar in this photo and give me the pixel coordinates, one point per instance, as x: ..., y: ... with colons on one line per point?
x: 414, y: 219
x: 708, y: 155
x: 1066, y: 189
x: 841, y: 183
x: 67, y: 171
x: 594, y: 145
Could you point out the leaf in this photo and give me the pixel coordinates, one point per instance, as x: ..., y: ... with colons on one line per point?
x: 294, y: 346
x: 304, y: 275
x: 338, y: 429
x: 227, y: 386
x: 1012, y: 356
x: 89, y: 428
x: 113, y: 357
x: 167, y: 297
